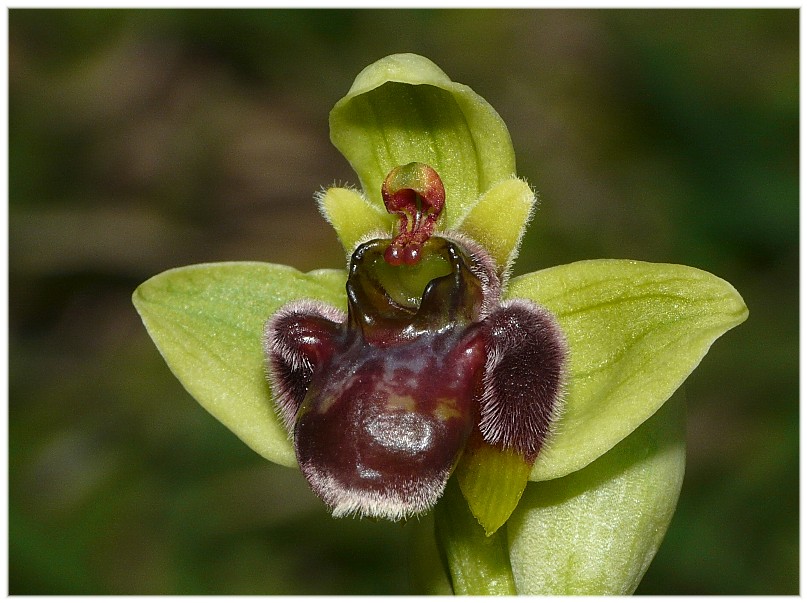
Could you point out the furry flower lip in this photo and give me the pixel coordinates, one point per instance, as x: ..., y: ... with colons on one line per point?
x: 380, y: 402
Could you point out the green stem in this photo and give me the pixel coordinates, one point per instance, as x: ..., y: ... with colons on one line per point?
x: 477, y: 564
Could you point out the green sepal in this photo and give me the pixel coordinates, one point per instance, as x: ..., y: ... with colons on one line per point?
x: 635, y: 331
x: 207, y: 322
x: 595, y: 531
x: 403, y: 108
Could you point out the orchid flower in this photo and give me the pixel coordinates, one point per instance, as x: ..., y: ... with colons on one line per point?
x: 532, y: 426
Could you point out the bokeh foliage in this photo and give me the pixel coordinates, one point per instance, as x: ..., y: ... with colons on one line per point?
x: 143, y: 140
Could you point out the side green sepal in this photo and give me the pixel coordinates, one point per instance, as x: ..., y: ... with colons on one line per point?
x: 635, y: 331
x: 207, y: 322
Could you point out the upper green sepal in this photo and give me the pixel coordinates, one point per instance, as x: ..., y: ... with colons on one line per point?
x: 207, y: 321
x: 403, y: 108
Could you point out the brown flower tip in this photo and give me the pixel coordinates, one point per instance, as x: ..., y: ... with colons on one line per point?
x: 415, y: 192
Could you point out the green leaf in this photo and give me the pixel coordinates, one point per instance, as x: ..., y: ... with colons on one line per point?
x: 207, y: 321
x: 595, y: 531
x: 403, y: 108
x: 477, y: 564
x: 635, y: 331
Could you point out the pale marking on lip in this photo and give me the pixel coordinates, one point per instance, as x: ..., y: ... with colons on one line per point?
x: 402, y: 433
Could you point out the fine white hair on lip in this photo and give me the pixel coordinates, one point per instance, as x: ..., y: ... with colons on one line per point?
x: 404, y: 500
x: 286, y: 367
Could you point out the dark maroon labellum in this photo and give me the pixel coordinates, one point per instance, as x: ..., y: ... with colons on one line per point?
x: 381, y: 402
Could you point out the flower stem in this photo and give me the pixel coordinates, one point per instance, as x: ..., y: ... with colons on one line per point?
x: 477, y: 564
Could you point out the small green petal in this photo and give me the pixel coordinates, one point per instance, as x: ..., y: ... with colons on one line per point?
x: 352, y: 216
x: 635, y: 330
x: 403, y: 108
x: 595, y: 531
x: 498, y: 220
x: 207, y: 321
x: 477, y: 564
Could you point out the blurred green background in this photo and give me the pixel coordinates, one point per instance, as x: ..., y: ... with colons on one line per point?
x: 143, y: 140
